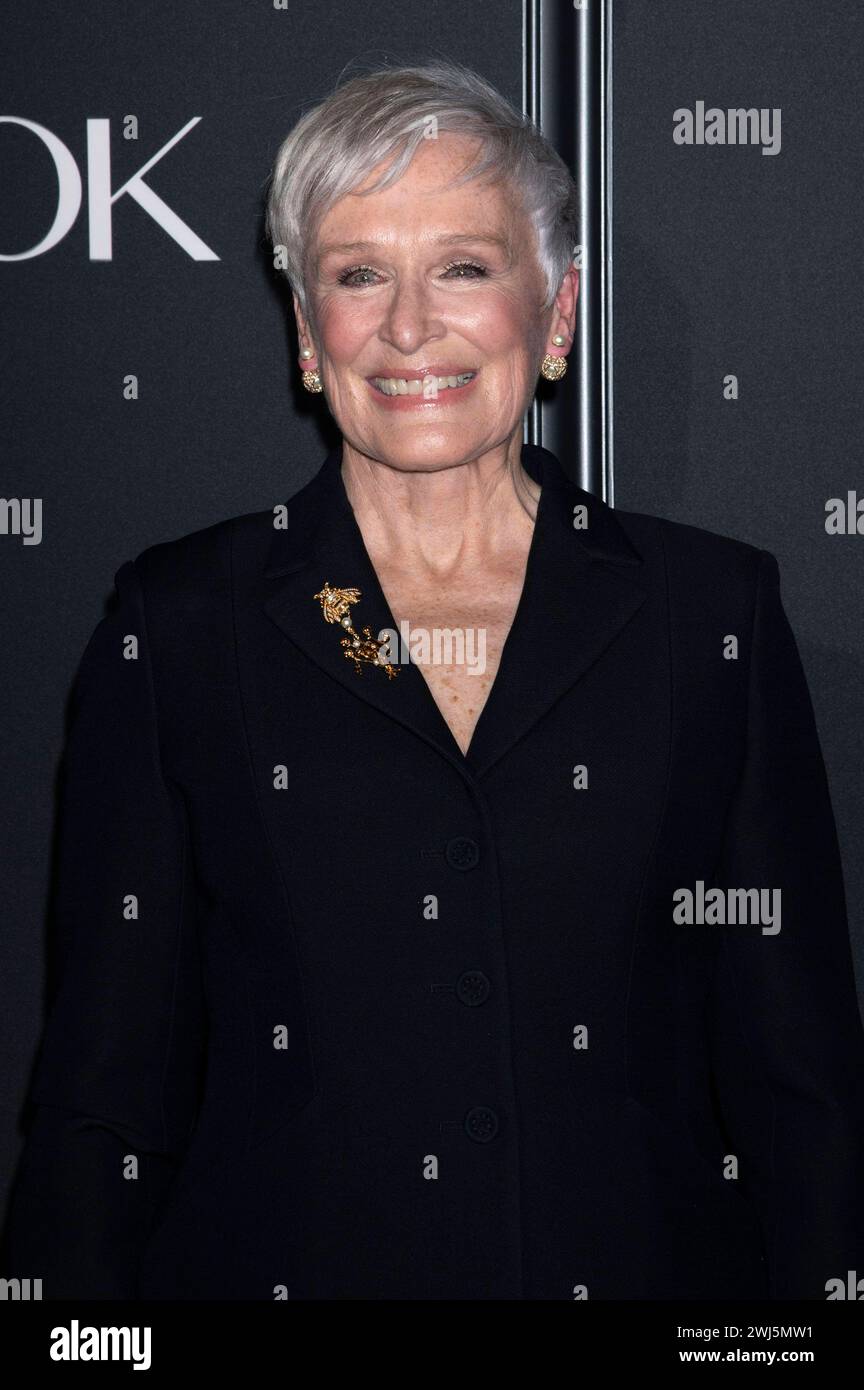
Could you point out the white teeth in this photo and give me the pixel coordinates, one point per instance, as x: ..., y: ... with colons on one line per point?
x: 399, y: 386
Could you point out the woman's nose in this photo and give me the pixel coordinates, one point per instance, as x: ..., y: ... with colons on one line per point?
x: 411, y: 319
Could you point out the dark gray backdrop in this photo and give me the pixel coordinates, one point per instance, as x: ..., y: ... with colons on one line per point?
x: 726, y: 261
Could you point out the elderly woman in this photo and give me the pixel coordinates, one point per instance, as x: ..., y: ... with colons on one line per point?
x: 450, y: 903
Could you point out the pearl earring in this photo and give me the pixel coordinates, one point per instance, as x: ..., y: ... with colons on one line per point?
x: 306, y: 353
x: 559, y: 340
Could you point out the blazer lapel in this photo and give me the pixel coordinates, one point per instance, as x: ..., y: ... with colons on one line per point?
x: 322, y: 545
x: 581, y: 587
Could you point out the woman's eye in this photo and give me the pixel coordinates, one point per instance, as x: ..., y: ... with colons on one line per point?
x: 359, y: 276
x: 464, y: 270
x: 353, y: 277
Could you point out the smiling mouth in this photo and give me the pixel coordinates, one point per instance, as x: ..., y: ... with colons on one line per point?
x: 428, y: 386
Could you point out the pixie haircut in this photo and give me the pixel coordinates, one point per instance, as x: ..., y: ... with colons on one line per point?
x: 384, y: 116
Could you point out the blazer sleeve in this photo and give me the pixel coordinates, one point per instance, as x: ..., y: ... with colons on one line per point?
x: 114, y: 1095
x: 787, y: 1040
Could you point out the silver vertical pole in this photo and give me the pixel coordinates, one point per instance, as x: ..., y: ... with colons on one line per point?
x: 567, y: 90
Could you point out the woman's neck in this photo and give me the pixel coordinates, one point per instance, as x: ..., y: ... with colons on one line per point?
x: 459, y: 518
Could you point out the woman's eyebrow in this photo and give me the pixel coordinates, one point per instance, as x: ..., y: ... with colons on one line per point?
x: 444, y: 239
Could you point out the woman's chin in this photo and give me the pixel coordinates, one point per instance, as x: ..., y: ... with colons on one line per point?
x: 429, y: 448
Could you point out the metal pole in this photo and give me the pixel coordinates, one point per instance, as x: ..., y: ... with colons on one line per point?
x: 567, y: 91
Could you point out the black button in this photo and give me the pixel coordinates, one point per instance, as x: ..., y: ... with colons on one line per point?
x: 481, y: 1124
x: 462, y: 853
x: 473, y: 988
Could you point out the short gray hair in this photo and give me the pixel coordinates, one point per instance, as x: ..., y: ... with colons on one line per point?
x: 386, y: 114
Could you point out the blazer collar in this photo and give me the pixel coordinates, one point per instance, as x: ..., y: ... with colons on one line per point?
x: 581, y: 586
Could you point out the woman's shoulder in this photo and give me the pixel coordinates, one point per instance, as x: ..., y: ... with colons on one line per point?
x: 694, y: 554
x: 200, y: 562
x: 700, y: 572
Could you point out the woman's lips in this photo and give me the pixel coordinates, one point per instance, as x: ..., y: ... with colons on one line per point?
x: 417, y: 390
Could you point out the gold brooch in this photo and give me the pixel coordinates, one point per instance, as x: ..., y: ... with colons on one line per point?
x: 336, y: 607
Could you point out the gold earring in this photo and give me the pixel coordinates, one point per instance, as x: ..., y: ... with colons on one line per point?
x: 312, y: 382
x: 553, y: 368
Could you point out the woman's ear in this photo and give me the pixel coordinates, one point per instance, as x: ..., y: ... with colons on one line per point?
x: 308, y: 350
x: 564, y: 313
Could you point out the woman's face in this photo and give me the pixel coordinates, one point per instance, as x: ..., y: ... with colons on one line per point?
x: 415, y: 283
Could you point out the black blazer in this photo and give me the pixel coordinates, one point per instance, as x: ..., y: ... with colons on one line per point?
x: 389, y: 1021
